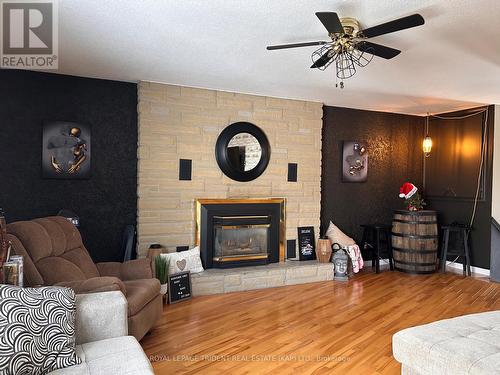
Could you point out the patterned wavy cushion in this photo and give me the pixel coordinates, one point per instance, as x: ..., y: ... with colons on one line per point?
x: 37, y: 330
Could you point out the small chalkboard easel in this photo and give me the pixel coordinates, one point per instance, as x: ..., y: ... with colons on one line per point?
x: 179, y: 287
x: 306, y: 243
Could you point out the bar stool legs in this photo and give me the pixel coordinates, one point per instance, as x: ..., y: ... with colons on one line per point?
x: 389, y: 249
x: 467, y: 255
x: 463, y: 252
x: 444, y: 255
x: 377, y: 252
x: 373, y: 236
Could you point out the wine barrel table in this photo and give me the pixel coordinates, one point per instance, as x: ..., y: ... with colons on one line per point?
x: 415, y: 241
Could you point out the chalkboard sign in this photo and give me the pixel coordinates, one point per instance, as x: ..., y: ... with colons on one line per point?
x: 179, y: 287
x: 306, y: 243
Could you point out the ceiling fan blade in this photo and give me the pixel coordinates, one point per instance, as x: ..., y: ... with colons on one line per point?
x: 322, y: 61
x: 295, y: 45
x: 331, y: 21
x: 392, y: 26
x: 377, y: 49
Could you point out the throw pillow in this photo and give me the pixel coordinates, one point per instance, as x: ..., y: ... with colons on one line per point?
x: 188, y: 260
x: 37, y: 329
x: 337, y: 236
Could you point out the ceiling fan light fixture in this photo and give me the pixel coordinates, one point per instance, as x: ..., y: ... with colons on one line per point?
x: 346, y: 58
x: 323, y: 56
x: 343, y: 51
x: 360, y: 58
x: 345, y: 66
x: 348, y: 46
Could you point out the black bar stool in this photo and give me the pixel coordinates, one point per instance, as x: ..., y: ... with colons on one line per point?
x: 374, y: 235
x: 461, y: 233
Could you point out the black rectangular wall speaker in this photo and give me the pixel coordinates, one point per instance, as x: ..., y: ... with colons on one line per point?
x: 291, y: 249
x: 185, y: 166
x: 292, y: 172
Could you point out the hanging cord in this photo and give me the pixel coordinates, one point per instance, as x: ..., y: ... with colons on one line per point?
x: 481, y: 163
x: 460, y: 117
x: 483, y: 152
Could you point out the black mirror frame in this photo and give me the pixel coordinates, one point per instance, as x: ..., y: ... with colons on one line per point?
x: 221, y: 151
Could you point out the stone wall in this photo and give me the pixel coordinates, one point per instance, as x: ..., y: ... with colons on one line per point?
x: 184, y: 123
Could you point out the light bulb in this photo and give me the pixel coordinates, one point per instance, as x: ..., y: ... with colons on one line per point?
x: 427, y: 145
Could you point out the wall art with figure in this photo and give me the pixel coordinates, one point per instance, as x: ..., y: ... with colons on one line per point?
x: 66, y: 150
x: 354, y: 161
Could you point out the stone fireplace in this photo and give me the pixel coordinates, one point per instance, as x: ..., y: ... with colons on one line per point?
x: 177, y: 122
x: 240, y: 232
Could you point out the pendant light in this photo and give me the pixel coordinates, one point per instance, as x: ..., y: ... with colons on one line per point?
x: 427, y: 143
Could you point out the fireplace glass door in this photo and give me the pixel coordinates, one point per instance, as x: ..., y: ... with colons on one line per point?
x: 241, y: 238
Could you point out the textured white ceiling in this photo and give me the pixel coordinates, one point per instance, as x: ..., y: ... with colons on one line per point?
x: 449, y: 63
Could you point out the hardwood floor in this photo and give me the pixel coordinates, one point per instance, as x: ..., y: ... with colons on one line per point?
x: 321, y: 328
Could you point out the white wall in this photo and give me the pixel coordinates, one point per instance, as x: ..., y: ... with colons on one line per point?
x: 496, y: 167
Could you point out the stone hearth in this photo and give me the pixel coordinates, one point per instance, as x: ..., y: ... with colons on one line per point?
x: 216, y: 280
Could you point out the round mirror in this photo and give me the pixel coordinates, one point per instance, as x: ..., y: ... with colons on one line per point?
x: 242, y: 151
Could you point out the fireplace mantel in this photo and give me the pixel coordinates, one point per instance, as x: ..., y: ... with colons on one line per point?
x: 207, y: 209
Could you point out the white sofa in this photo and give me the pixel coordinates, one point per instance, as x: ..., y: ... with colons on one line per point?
x: 469, y: 344
x: 102, y: 341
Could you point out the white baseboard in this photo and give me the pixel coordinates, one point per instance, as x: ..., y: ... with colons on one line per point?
x: 478, y: 270
x: 455, y: 265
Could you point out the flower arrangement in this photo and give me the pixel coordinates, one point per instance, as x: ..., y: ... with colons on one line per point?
x: 413, y: 200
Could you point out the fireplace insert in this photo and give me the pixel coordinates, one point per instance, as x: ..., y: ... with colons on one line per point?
x: 240, y: 232
x: 240, y: 238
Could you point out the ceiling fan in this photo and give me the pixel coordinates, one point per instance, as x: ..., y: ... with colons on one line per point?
x: 348, y: 46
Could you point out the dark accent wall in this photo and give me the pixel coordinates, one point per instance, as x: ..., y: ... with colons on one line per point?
x: 495, y: 251
x: 108, y: 200
x: 395, y: 156
x: 456, y: 209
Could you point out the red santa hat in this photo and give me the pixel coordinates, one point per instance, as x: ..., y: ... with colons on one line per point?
x: 407, y: 190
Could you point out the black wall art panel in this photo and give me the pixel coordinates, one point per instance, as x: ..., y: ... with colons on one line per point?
x: 106, y: 200
x: 393, y: 145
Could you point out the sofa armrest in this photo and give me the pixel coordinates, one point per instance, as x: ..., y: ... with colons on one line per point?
x: 100, y: 316
x: 130, y: 270
x: 137, y: 269
x: 95, y: 285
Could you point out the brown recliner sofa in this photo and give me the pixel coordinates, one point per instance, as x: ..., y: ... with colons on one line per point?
x: 54, y: 254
